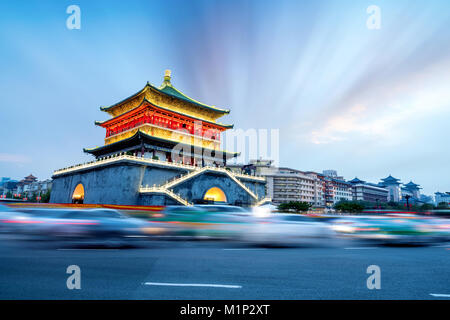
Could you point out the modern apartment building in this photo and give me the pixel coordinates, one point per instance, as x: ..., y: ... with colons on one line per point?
x: 336, y: 189
x: 286, y: 184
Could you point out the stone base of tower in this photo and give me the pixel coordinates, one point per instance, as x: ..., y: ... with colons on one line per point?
x: 129, y: 180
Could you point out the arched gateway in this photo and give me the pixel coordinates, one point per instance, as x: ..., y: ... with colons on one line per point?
x: 215, y: 194
x: 78, y: 194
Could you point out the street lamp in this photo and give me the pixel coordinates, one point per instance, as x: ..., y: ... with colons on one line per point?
x: 407, y: 201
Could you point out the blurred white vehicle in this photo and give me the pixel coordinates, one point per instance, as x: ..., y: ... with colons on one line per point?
x: 287, y: 230
x: 91, y: 225
x: 13, y: 221
x: 221, y: 208
x: 394, y: 228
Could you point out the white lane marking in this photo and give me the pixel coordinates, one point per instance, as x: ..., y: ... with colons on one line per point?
x: 442, y: 295
x: 80, y: 249
x: 442, y: 246
x: 192, y: 285
x: 360, y: 248
x: 245, y: 249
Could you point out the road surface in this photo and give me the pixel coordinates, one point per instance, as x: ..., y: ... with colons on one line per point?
x: 219, y: 270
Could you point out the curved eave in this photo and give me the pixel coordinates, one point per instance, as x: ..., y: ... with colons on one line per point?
x: 139, y: 132
x: 412, y: 188
x: 225, y: 126
x: 106, y: 108
x: 412, y: 184
x: 356, y: 180
x: 186, y: 98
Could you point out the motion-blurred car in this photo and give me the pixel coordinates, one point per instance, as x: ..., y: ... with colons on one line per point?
x: 394, y: 229
x: 204, y: 222
x: 288, y: 230
x: 105, y: 226
x: 12, y: 221
x: 228, y: 209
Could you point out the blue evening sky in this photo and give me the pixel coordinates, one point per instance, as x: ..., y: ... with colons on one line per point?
x: 367, y: 103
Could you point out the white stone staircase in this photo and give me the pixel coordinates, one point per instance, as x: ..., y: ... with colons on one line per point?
x: 262, y: 201
x: 196, y: 172
x: 172, y: 183
x: 168, y: 192
x: 166, y: 188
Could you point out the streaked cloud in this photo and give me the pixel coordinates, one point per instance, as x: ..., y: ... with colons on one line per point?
x: 364, y: 102
x: 392, y: 110
x: 14, y: 158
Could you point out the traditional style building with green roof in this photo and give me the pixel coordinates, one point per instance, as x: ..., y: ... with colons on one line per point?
x: 393, y: 186
x: 161, y: 147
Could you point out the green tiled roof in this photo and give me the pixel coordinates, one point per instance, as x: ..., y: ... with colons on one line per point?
x: 412, y: 185
x: 168, y: 89
x: 356, y: 180
x: 391, y: 180
x: 229, y: 126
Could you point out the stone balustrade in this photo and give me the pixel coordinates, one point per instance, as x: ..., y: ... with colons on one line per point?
x: 125, y: 157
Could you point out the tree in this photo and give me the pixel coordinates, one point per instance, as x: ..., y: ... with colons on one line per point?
x: 33, y: 197
x: 349, y: 206
x: 45, y: 197
x: 9, y: 195
x: 295, y: 206
x: 442, y: 205
x: 426, y: 207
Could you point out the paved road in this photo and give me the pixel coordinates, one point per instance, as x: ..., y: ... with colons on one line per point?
x: 217, y: 270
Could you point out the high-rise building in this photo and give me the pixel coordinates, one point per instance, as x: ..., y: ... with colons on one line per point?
x: 336, y: 189
x: 285, y: 184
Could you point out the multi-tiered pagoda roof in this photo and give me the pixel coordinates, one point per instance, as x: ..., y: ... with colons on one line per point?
x: 412, y: 186
x: 356, y: 181
x: 161, y: 117
x: 390, y: 180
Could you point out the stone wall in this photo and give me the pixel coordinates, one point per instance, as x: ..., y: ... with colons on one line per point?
x: 195, y: 188
x: 112, y: 184
x: 119, y: 184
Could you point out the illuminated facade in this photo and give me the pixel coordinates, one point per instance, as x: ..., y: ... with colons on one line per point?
x: 154, y: 120
x: 161, y: 147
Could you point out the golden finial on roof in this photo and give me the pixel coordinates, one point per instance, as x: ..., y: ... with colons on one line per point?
x: 167, y: 75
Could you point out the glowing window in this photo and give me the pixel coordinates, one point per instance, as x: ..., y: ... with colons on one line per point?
x: 215, y: 194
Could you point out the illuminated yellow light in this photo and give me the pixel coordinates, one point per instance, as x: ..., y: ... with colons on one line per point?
x: 79, y: 192
x: 215, y: 194
x: 153, y: 230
